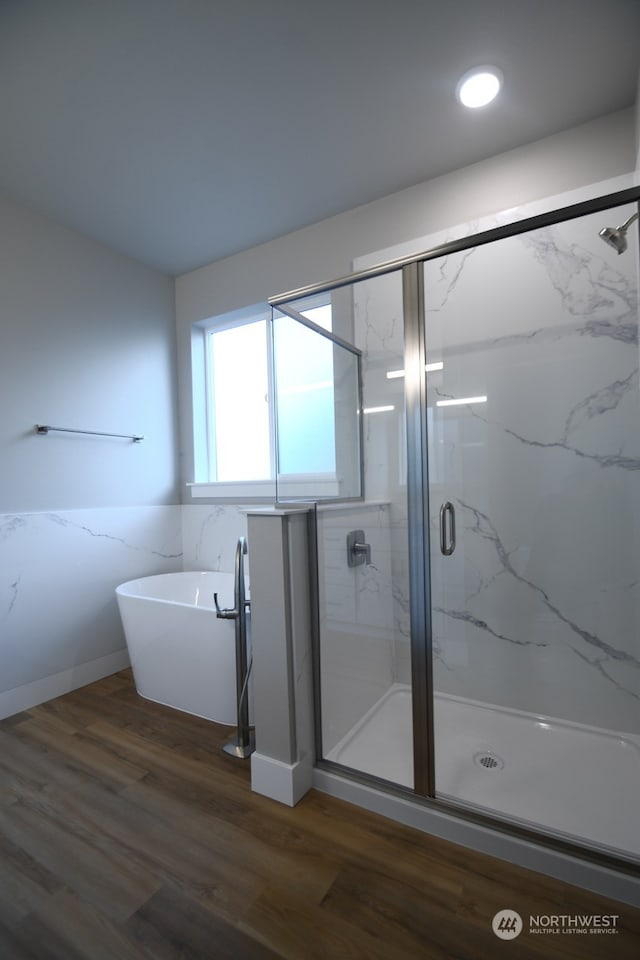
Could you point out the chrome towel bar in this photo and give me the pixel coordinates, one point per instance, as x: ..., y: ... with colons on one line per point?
x: 45, y: 428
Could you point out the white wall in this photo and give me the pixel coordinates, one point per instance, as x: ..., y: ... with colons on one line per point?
x: 87, y: 340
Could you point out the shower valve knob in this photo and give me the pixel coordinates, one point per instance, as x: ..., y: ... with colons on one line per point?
x: 358, y: 552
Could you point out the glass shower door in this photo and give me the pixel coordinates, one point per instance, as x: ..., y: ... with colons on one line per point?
x: 533, y: 418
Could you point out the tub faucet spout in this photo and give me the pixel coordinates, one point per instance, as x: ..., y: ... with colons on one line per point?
x: 226, y: 613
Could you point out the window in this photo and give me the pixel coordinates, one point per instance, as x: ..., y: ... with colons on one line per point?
x: 239, y: 434
x: 235, y: 399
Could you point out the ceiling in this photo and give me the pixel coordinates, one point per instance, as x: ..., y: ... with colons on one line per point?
x: 182, y: 131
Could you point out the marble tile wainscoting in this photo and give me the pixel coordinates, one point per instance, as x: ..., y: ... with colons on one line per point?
x: 59, y: 622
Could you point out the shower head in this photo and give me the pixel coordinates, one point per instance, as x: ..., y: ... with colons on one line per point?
x: 616, y: 237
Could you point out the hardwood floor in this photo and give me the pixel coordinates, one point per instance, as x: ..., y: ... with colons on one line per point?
x: 126, y: 834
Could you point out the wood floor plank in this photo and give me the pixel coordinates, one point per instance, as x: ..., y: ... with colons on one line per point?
x: 108, y: 880
x: 85, y: 751
x: 308, y: 871
x: 375, y: 842
x: 19, y: 770
x: 194, y: 736
x: 11, y: 948
x: 152, y: 847
x: 185, y: 851
x: 116, y: 683
x: 393, y: 911
x: 65, y: 709
x: 152, y: 752
x: 126, y: 833
x: 399, y: 914
x: 50, y: 720
x: 65, y: 927
x: 295, y: 929
x: 16, y: 718
x: 171, y: 926
x: 382, y: 842
x: 29, y: 767
x: 25, y: 882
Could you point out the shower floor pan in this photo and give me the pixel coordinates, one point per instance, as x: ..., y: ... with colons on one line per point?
x: 577, y: 781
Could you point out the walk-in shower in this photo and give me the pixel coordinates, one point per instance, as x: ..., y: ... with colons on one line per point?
x: 485, y: 658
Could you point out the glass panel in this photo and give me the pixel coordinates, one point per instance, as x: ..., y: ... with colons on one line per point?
x: 365, y: 672
x: 317, y: 406
x: 534, y: 441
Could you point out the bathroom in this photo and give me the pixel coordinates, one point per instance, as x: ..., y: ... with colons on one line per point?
x: 93, y: 339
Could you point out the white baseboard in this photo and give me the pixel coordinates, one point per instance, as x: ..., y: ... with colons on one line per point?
x: 38, y: 691
x: 284, y: 782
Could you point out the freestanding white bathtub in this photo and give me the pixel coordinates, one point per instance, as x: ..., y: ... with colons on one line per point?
x: 181, y: 654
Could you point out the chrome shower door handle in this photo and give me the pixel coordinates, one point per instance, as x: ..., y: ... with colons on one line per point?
x: 447, y: 530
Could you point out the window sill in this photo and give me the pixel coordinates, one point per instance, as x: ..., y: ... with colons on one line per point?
x: 310, y: 486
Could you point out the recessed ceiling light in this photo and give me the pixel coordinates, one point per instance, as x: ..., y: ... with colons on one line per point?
x: 479, y: 86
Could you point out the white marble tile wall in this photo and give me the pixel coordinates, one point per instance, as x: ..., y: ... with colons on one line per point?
x: 59, y: 623
x: 356, y: 617
x: 379, y: 333
x: 209, y: 536
x: 539, y: 607
x: 522, y: 616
